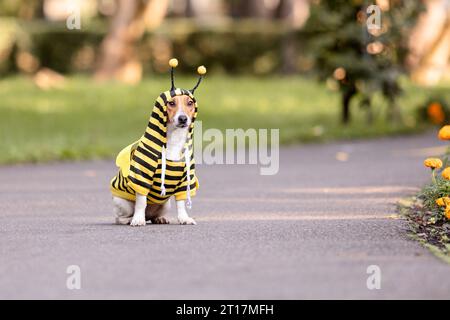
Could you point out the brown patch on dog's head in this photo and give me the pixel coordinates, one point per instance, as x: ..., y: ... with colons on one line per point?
x: 180, y: 111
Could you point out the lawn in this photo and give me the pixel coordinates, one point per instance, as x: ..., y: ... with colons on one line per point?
x: 86, y: 120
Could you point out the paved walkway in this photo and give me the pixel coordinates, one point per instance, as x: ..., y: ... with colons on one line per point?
x: 309, y: 232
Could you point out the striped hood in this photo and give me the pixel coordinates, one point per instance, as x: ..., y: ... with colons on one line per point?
x: 156, y: 132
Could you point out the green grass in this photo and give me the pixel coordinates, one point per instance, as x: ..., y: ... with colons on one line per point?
x: 88, y: 120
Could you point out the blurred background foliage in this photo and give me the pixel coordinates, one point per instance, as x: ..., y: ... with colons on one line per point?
x: 392, y: 79
x: 232, y: 36
x: 243, y: 48
x: 238, y: 46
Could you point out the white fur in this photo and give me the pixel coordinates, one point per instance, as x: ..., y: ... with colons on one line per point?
x: 183, y: 217
x: 176, y: 138
x: 139, y: 210
x: 136, y: 213
x: 123, y: 209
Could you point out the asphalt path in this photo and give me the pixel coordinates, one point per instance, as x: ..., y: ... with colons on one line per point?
x: 310, y: 231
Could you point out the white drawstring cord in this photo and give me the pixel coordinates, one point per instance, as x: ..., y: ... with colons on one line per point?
x: 163, y: 171
x: 188, y: 172
x: 188, y: 178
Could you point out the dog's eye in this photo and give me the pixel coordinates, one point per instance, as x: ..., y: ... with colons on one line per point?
x: 171, y: 103
x: 190, y: 103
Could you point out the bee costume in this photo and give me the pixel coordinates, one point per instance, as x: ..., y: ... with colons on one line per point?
x: 143, y: 166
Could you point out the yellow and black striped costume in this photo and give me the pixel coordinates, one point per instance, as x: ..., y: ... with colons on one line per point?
x: 143, y: 167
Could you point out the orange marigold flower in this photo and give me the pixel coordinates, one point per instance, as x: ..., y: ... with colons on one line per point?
x: 444, y: 133
x: 433, y: 163
x: 446, y: 173
x: 444, y: 201
x: 436, y: 113
x: 447, y: 212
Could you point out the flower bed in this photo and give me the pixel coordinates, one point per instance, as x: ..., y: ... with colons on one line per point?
x: 429, y: 213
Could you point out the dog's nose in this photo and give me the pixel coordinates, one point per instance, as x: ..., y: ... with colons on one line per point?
x: 182, y: 119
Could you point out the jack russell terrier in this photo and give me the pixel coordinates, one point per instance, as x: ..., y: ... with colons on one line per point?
x: 161, y: 163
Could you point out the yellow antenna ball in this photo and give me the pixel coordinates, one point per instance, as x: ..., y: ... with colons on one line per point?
x: 201, y: 70
x: 173, y: 63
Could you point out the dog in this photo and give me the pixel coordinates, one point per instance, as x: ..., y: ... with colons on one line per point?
x: 160, y: 165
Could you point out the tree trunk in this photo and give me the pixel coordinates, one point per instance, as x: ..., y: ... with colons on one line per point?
x: 430, y: 44
x: 366, y: 104
x: 346, y: 98
x: 435, y: 63
x: 250, y: 9
x: 294, y: 13
x: 118, y: 59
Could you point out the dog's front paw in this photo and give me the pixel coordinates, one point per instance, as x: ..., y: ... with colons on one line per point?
x: 186, y: 220
x: 160, y: 220
x: 138, y: 220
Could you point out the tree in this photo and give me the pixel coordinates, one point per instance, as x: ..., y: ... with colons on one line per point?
x: 429, y: 57
x: 292, y: 13
x: 118, y: 59
x: 361, y: 60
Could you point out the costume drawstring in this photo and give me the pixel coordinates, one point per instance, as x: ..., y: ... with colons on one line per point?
x: 163, y: 171
x: 188, y: 172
